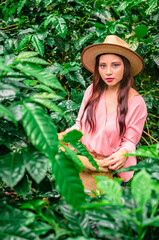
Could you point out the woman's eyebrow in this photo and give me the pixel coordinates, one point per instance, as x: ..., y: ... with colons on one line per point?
x: 116, y: 61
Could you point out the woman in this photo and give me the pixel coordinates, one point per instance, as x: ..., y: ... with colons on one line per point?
x: 112, y: 113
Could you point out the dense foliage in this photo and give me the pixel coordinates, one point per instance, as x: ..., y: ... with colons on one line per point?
x: 41, y: 87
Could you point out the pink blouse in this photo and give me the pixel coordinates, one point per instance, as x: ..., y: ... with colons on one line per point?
x: 106, y: 140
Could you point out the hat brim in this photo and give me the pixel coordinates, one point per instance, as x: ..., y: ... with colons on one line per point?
x: 89, y: 54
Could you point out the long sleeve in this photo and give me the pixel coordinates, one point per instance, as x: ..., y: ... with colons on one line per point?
x: 135, y: 121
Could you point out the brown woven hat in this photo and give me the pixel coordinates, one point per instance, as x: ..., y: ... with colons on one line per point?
x: 115, y: 45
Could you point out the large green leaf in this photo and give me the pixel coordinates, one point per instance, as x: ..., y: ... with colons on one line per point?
x: 79, y: 43
x: 12, y: 168
x: 23, y: 42
x: 146, y: 151
x: 152, y: 5
x: 40, y: 129
x: 61, y: 27
x: 36, y: 164
x: 83, y: 151
x: 73, y: 155
x: 40, y: 228
x: 76, y: 77
x: 44, y: 88
x: 69, y: 105
x: 38, y: 45
x: 35, y: 60
x: 72, y: 136
x: 68, y: 181
x: 6, y: 113
x: 23, y: 187
x: 26, y: 54
x: 21, y: 4
x: 10, y: 215
x: 141, y: 187
x: 43, y: 76
x: 45, y: 95
x: 16, y: 232
x: 109, y: 187
x: 49, y: 104
x: 4, y: 67
x: 77, y: 222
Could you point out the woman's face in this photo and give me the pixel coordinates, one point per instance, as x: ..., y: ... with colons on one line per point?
x: 111, y: 70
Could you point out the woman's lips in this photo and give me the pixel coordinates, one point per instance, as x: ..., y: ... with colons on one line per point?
x: 109, y: 79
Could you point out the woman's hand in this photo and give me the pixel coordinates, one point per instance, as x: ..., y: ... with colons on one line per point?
x: 116, y: 160
x: 60, y: 135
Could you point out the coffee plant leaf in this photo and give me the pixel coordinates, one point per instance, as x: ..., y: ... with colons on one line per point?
x: 12, y: 168
x: 36, y: 164
x: 141, y: 187
x: 40, y: 129
x: 67, y: 180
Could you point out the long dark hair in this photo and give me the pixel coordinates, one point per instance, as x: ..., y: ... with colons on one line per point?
x: 99, y: 87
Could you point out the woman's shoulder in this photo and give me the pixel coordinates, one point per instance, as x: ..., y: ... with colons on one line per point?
x: 136, y: 100
x: 132, y: 94
x: 89, y: 89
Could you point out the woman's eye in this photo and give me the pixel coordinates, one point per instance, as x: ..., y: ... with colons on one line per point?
x: 116, y: 64
x: 102, y: 65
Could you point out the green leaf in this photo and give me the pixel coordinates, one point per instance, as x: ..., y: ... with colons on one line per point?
x: 10, y: 215
x: 123, y: 6
x: 40, y: 129
x: 69, y: 105
x: 78, y: 223
x: 26, y: 54
x: 36, y: 164
x: 153, y: 221
x: 43, y: 76
x: 83, y: 151
x: 16, y: 231
x: 40, y: 228
x: 67, y: 180
x: 6, y: 113
x: 21, y: 4
x: 50, y: 105
x: 12, y: 168
x: 98, y: 3
x: 152, y: 5
x: 71, y: 154
x: 38, y: 45
x: 44, y: 88
x: 76, y: 77
x: 50, y: 19
x: 72, y: 136
x: 79, y: 43
x: 141, y: 187
x: 23, y: 42
x: 35, y: 60
x: 45, y: 95
x: 23, y: 187
x: 146, y: 151
x: 141, y: 31
x: 36, y: 205
x: 109, y: 187
x: 61, y: 27
x: 4, y: 67
x: 55, y: 68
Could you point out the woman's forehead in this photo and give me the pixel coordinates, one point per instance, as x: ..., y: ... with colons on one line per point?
x: 111, y: 57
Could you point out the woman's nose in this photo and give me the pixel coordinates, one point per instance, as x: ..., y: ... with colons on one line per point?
x: 108, y: 71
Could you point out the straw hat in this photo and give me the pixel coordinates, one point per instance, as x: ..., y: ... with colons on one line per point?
x: 115, y: 45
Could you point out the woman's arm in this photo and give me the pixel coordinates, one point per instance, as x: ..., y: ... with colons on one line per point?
x: 135, y: 121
